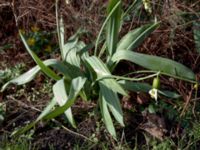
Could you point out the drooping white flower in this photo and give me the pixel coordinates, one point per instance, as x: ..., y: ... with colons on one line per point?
x: 154, y: 93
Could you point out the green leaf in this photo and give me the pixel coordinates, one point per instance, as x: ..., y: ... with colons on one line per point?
x: 169, y: 94
x: 102, y: 71
x: 49, y: 72
x: 135, y: 86
x: 76, y: 86
x: 113, y: 26
x: 98, y: 66
x: 155, y: 63
x: 135, y: 37
x: 71, y: 52
x: 66, y: 70
x: 61, y: 97
x: 134, y: 7
x: 196, y: 32
x: 112, y: 100
x: 104, y: 24
x: 106, y: 117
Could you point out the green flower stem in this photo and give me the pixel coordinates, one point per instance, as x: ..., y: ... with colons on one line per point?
x: 127, y: 78
x: 162, y: 73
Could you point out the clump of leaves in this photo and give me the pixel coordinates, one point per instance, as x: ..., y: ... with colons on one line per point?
x: 17, y: 144
x: 90, y: 75
x: 9, y: 73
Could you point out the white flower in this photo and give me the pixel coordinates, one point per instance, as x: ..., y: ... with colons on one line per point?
x: 154, y: 93
x: 67, y: 2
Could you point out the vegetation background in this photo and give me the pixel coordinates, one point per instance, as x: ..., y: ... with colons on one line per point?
x: 177, y: 38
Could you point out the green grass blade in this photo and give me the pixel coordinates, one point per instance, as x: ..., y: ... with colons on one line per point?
x: 196, y: 33
x: 49, y: 72
x: 61, y: 97
x: 135, y: 37
x: 155, y: 63
x: 132, y: 7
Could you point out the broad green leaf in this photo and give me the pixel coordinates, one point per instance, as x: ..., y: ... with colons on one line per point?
x: 135, y: 37
x: 98, y: 66
x: 102, y: 71
x: 112, y: 100
x: 135, y: 86
x: 71, y: 53
x: 155, y: 63
x: 169, y: 94
x: 61, y: 97
x: 196, y: 32
x: 47, y: 109
x: 69, y: 45
x: 106, y: 117
x: 67, y: 70
x: 113, y: 26
x: 49, y: 72
x: 76, y: 86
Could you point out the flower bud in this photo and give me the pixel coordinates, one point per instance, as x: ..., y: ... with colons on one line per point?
x: 156, y: 83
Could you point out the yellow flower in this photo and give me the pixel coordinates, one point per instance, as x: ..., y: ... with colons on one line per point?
x: 196, y: 86
x: 22, y: 31
x: 31, y: 41
x: 48, y: 48
x: 147, y: 5
x: 35, y: 28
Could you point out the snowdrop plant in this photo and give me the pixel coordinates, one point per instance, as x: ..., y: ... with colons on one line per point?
x: 80, y: 74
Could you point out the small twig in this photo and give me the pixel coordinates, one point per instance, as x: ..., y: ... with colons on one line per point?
x: 195, y: 99
x: 188, y: 98
x: 23, y: 104
x: 55, y: 121
x: 15, y: 119
x: 72, y: 132
x: 5, y: 4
